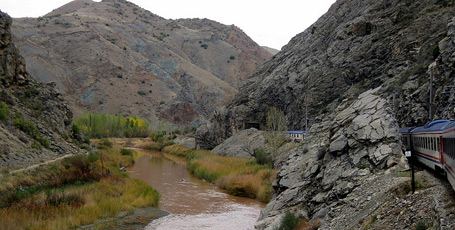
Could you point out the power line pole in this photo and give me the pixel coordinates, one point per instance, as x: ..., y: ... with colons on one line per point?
x: 431, y: 94
x: 306, y: 117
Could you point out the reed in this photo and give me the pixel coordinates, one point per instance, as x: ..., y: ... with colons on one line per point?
x: 238, y: 176
x: 48, y: 198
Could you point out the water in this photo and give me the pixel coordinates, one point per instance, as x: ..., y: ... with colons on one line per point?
x: 193, y: 203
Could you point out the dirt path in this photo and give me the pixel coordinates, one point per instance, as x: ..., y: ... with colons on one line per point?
x: 41, y: 164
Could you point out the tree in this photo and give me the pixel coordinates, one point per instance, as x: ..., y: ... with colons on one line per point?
x: 276, y: 121
x: 275, y: 124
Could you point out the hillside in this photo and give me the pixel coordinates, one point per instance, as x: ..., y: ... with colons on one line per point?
x: 355, y: 46
x: 363, y: 70
x: 115, y: 57
x: 35, y: 121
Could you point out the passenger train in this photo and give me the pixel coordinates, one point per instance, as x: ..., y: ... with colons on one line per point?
x: 433, y: 145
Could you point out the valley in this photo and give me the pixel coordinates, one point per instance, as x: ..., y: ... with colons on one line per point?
x: 113, y: 117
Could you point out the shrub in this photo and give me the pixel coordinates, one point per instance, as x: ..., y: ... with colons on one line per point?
x: 142, y: 93
x: 119, y: 75
x: 436, y: 52
x: 3, y: 111
x: 289, y: 222
x: 93, y: 157
x: 232, y: 57
x: 126, y: 152
x: 263, y: 157
x: 205, y: 46
x: 105, y: 143
x: 421, y: 225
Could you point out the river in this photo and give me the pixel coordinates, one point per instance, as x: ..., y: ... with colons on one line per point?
x: 193, y: 203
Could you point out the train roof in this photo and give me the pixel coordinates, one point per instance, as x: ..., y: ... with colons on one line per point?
x: 406, y: 130
x: 296, y: 132
x: 435, y: 126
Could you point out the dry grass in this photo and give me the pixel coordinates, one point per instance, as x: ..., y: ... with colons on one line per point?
x: 238, y: 176
x: 63, y: 195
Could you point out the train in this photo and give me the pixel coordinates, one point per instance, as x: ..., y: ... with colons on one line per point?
x: 433, y: 145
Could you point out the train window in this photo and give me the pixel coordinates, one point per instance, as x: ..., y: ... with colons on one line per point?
x: 432, y: 144
x: 437, y: 144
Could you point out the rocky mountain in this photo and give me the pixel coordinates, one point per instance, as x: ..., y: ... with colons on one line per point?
x: 115, y: 57
x: 35, y: 121
x: 363, y: 70
x: 355, y: 46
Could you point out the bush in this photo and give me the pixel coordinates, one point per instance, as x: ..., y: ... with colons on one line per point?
x: 105, y: 143
x: 142, y: 93
x: 93, y: 157
x: 263, y: 157
x: 126, y: 152
x: 421, y: 225
x: 232, y: 57
x: 205, y: 46
x: 289, y: 222
x: 3, y: 111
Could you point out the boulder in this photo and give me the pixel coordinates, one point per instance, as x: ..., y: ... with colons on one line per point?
x: 243, y: 144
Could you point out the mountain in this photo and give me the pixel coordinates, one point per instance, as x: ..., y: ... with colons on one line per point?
x: 115, y: 57
x: 363, y: 70
x: 35, y: 121
x: 355, y: 46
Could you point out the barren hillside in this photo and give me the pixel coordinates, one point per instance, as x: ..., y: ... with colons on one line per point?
x: 115, y: 57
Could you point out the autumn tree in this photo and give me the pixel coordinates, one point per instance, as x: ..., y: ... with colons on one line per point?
x: 275, y: 125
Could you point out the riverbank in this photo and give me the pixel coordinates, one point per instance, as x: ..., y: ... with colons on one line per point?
x: 238, y: 176
x: 75, y: 191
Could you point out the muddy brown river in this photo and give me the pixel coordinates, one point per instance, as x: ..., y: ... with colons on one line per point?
x: 193, y: 203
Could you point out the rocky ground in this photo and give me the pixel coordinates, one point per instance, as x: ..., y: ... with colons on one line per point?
x: 385, y: 202
x: 348, y: 174
x: 36, y: 124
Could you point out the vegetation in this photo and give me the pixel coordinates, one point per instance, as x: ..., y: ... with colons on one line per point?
x: 3, y: 111
x: 275, y: 124
x: 421, y: 225
x: 76, y: 191
x: 288, y: 222
x: 238, y: 176
x: 263, y: 157
x: 142, y: 93
x: 31, y: 130
x: 232, y: 57
x: 205, y: 46
x: 104, y: 125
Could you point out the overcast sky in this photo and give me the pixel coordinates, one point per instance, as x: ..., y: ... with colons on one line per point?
x: 269, y: 23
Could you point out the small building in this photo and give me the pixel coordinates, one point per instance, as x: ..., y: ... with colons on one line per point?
x: 297, y: 136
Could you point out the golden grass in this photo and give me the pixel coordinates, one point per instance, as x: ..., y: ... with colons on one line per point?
x: 238, y: 176
x: 67, y: 206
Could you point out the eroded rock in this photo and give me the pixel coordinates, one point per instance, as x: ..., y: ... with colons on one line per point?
x: 359, y: 143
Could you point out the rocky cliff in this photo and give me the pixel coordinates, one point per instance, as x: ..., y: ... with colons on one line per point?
x: 35, y: 122
x: 350, y: 150
x: 115, y: 57
x: 356, y: 46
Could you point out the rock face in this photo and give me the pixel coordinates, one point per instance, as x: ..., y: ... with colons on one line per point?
x: 242, y: 144
x: 357, y: 45
x: 115, y: 57
x: 354, y: 148
x: 33, y: 114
